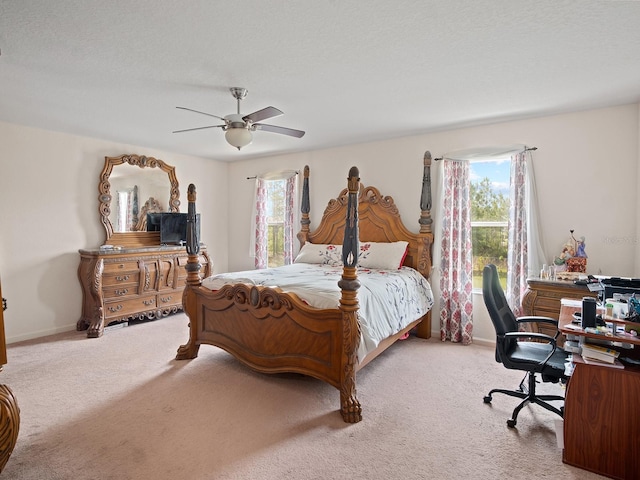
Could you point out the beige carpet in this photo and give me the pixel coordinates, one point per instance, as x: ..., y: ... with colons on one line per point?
x: 120, y: 407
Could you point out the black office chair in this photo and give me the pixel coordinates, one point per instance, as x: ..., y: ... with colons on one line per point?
x: 542, y: 356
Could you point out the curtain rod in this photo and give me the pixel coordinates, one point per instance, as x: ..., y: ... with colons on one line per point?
x: 256, y: 176
x: 526, y: 149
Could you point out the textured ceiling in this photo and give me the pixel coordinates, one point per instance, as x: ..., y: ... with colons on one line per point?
x: 344, y: 71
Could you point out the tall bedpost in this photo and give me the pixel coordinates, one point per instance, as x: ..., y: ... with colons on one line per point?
x: 425, y: 245
x: 305, y: 206
x: 189, y: 300
x: 349, y: 405
x: 425, y: 199
x: 193, y: 242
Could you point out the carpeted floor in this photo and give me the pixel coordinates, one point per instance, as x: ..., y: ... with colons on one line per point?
x: 120, y: 407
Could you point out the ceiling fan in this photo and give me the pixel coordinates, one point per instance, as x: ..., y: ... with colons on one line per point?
x: 238, y: 127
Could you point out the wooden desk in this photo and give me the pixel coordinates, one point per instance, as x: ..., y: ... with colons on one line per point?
x: 601, y: 415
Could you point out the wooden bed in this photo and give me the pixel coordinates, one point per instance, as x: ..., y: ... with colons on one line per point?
x: 272, y: 331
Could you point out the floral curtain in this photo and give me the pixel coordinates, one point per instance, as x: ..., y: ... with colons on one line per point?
x: 289, y: 218
x: 518, y: 256
x: 456, y: 276
x: 261, y: 227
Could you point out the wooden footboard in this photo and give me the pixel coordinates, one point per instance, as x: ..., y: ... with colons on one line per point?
x: 272, y: 331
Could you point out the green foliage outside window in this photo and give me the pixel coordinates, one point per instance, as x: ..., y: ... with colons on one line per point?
x: 489, y: 231
x: 275, y: 220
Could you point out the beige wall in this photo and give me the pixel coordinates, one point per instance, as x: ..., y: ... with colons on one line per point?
x: 586, y: 171
x: 49, y: 210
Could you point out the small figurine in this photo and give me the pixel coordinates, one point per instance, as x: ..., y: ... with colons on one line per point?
x: 580, y: 252
x: 573, y: 257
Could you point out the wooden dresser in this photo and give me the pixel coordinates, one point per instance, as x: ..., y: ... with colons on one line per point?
x: 543, y: 298
x: 132, y: 283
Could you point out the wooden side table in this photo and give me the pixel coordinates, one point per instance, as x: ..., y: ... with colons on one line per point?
x: 9, y: 411
x: 543, y: 298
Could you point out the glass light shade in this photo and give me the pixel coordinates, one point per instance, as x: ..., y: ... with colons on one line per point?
x: 238, y: 137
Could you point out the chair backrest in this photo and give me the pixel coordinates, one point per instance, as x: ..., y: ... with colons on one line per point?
x: 500, y: 313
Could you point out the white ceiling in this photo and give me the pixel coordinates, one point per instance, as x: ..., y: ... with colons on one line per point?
x: 345, y: 71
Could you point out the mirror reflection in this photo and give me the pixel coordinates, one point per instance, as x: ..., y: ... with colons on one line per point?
x: 130, y: 187
x: 134, y: 193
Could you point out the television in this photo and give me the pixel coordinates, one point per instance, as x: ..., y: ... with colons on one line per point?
x: 172, y: 227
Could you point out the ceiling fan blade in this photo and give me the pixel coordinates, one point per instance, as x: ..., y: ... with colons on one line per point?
x: 263, y: 114
x: 198, y: 128
x: 203, y: 113
x: 283, y: 130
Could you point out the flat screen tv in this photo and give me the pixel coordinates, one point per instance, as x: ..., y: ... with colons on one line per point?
x: 172, y: 227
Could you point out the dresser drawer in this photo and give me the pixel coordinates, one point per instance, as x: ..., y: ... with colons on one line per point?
x: 117, y: 291
x: 169, y: 298
x: 125, y: 266
x: 115, y: 309
x: 121, y: 278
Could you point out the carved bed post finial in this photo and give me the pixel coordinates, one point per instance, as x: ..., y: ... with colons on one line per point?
x: 193, y: 242
x: 349, y: 405
x: 425, y: 199
x: 304, y: 208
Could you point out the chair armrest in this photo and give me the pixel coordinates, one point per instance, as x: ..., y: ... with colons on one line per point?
x: 533, y: 335
x: 538, y: 336
x: 538, y: 319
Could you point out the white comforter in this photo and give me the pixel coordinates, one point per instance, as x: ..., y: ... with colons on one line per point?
x: 389, y: 299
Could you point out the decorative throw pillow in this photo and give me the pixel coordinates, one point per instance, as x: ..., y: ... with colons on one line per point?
x: 320, y: 253
x: 387, y: 256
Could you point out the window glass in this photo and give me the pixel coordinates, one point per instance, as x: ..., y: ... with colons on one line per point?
x: 489, y: 196
x: 276, y: 195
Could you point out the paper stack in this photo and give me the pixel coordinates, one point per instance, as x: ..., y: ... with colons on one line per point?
x: 599, y: 353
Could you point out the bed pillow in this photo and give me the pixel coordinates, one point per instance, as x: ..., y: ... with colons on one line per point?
x: 387, y: 256
x: 320, y: 253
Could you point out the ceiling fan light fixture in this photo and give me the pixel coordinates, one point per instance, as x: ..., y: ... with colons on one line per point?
x: 238, y: 137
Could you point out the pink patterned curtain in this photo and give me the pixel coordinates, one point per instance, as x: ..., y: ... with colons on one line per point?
x: 517, y: 260
x: 260, y: 253
x: 456, y: 277
x: 289, y: 218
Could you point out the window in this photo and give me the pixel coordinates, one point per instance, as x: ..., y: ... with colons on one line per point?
x: 489, y: 195
x: 276, y: 195
x: 274, y: 218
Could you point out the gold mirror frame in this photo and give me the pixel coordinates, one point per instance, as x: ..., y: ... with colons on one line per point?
x: 133, y: 239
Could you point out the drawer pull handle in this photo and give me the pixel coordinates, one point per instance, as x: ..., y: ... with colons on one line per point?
x: 122, y: 292
x: 148, y: 302
x: 115, y: 309
x: 122, y: 278
x: 165, y: 299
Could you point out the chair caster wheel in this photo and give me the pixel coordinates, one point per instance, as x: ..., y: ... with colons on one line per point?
x: 511, y: 423
x: 487, y: 399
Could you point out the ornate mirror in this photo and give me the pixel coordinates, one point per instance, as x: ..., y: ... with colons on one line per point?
x: 130, y: 187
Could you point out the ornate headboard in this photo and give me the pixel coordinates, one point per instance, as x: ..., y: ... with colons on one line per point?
x: 379, y: 221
